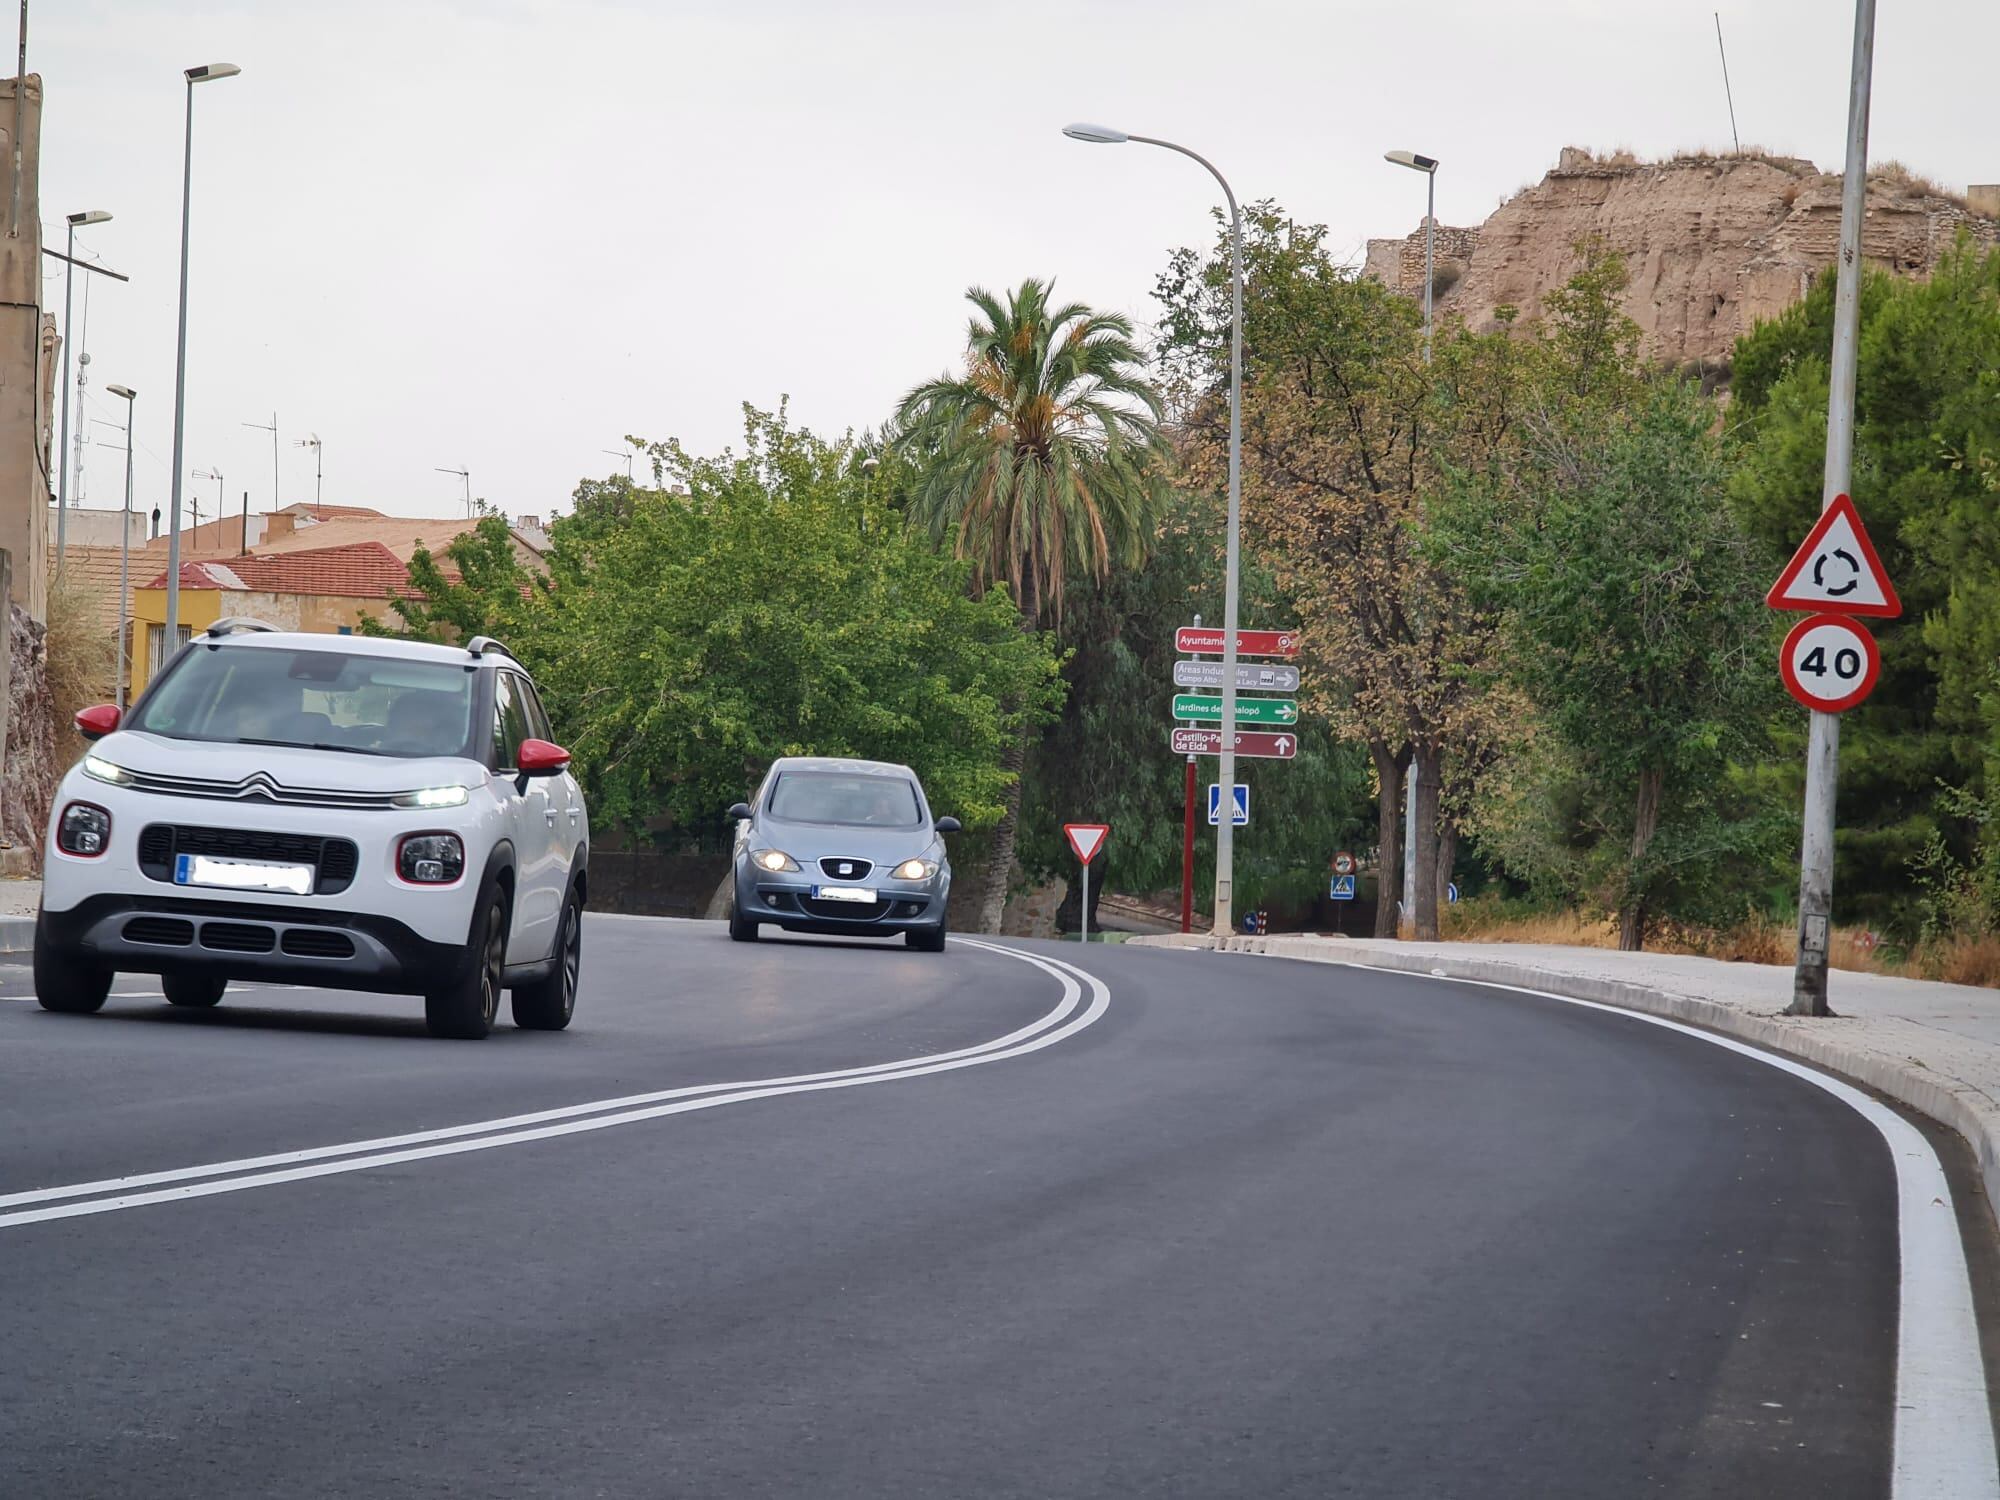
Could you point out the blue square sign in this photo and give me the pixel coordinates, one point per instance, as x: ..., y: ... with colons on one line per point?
x: 1342, y: 888
x: 1241, y: 815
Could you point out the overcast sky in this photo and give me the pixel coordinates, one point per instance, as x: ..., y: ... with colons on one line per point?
x: 500, y: 236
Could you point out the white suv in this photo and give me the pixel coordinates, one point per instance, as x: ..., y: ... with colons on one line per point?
x: 336, y: 811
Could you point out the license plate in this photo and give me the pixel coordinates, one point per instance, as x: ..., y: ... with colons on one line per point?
x: 243, y: 874
x: 863, y: 895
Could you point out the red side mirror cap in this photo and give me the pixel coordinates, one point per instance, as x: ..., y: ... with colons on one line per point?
x: 540, y: 758
x: 96, y: 722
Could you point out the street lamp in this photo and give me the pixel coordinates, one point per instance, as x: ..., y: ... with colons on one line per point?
x: 171, y: 643
x: 1225, y: 843
x: 311, y: 440
x: 129, y: 396
x: 75, y: 221
x: 1429, y: 167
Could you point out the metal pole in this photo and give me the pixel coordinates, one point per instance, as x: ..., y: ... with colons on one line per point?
x: 1430, y: 236
x: 125, y: 570
x: 171, y: 636
x: 62, y: 448
x: 1823, y: 740
x: 1734, y: 139
x: 275, y: 501
x: 1409, y: 902
x: 1083, y: 921
x: 243, y: 550
x: 20, y: 94
x: 1187, y: 852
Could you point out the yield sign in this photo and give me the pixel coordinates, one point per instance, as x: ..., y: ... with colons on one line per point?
x: 1086, y: 839
x: 1836, y: 570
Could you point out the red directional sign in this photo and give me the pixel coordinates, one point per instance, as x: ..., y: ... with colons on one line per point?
x: 1259, y: 746
x: 1085, y: 839
x: 1200, y: 640
x: 1835, y: 571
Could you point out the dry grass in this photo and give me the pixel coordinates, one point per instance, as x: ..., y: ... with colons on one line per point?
x: 1961, y: 960
x: 1910, y: 183
x: 1757, y: 940
x: 83, y: 657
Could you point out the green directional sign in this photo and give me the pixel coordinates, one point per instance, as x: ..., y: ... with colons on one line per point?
x: 1248, y: 710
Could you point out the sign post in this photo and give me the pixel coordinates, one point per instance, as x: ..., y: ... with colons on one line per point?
x: 1085, y: 839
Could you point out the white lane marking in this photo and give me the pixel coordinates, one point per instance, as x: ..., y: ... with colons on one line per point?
x: 1944, y: 1429
x: 1068, y: 1003
x: 1050, y: 1029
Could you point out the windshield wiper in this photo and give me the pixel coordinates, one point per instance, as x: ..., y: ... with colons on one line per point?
x: 317, y: 745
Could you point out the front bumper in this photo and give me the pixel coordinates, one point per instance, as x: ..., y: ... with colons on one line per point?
x: 242, y: 940
x: 788, y: 903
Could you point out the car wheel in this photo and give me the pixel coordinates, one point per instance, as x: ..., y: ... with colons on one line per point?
x: 67, y: 984
x: 465, y: 1008
x: 195, y: 991
x: 741, y: 928
x: 929, y: 939
x: 548, y: 1004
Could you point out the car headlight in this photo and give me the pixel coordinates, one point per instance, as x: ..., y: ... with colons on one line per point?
x: 85, y: 830
x: 430, y: 858
x: 774, y: 860
x: 103, y: 770
x: 915, y: 869
x: 432, y: 796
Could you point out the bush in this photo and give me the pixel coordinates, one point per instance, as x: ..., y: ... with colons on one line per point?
x: 83, y: 655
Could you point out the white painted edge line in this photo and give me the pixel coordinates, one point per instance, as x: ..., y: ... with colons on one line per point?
x: 1944, y: 1447
x: 486, y: 1135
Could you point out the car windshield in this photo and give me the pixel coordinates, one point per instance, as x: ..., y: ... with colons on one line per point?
x: 856, y: 800
x: 325, y: 700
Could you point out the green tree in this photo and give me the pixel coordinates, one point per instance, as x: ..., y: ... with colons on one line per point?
x: 478, y: 586
x: 1927, y: 481
x: 1042, y: 463
x: 1631, y: 608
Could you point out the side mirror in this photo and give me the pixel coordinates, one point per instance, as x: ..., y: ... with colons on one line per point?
x: 540, y: 758
x: 947, y: 825
x: 96, y: 722
x: 738, y: 811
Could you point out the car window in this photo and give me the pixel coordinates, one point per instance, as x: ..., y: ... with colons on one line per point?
x: 531, y: 701
x: 855, y: 800
x: 329, y: 700
x: 510, y: 721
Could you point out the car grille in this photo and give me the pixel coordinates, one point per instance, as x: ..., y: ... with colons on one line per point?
x: 309, y: 942
x: 333, y: 861
x: 256, y: 787
x: 846, y: 869
x: 237, y: 937
x: 165, y: 932
x: 846, y: 911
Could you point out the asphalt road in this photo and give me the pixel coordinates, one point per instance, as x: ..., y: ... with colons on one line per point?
x: 1224, y: 1228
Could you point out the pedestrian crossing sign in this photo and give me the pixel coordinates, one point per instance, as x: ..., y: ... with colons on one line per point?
x: 1342, y: 888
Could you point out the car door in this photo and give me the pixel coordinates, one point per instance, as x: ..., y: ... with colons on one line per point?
x: 565, y: 796
x: 533, y: 827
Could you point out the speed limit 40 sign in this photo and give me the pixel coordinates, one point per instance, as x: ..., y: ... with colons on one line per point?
x: 1829, y: 663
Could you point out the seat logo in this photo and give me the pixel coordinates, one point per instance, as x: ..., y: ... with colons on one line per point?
x: 845, y: 868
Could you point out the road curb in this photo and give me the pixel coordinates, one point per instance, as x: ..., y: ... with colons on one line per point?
x: 17, y: 934
x: 1951, y: 1102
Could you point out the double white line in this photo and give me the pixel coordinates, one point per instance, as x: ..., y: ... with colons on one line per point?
x: 111, y: 1194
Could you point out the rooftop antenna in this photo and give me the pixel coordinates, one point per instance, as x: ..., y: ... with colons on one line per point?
x: 272, y: 428
x: 624, y: 453
x: 1724, y: 55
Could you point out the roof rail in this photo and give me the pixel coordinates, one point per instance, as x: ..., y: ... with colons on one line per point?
x: 479, y: 645
x: 236, y: 624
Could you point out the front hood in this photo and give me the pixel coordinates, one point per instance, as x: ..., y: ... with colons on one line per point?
x: 806, y: 842
x: 207, y: 760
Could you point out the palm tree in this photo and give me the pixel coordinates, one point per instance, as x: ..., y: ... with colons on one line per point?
x: 1042, y: 460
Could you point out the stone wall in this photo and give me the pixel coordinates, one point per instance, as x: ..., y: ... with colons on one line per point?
x: 30, y: 773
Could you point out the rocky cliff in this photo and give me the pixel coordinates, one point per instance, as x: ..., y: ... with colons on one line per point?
x: 1714, y: 244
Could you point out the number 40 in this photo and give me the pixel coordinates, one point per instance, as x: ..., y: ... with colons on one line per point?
x: 1846, y: 663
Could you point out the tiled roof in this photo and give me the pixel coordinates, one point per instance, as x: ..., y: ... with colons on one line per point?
x: 362, y: 570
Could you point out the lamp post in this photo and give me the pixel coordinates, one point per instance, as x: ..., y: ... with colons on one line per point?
x: 1428, y: 166
x: 75, y: 221
x: 1225, y: 843
x: 171, y: 643
x: 311, y: 440
x: 129, y: 396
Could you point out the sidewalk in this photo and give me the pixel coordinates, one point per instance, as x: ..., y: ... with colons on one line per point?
x: 18, y: 900
x: 1934, y: 1047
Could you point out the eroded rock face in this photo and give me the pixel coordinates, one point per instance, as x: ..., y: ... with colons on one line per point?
x: 30, y: 773
x: 1714, y: 244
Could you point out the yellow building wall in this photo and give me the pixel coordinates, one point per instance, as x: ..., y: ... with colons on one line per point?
x: 323, y: 614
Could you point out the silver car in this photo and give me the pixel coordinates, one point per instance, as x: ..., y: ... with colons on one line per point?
x: 842, y: 846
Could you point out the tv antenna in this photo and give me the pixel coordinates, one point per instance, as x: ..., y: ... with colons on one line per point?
x: 466, y: 476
